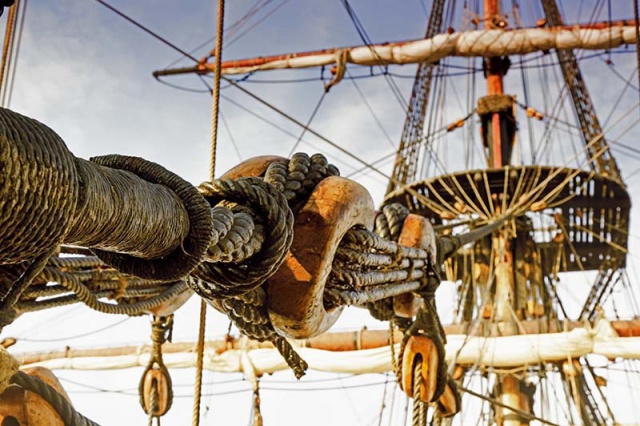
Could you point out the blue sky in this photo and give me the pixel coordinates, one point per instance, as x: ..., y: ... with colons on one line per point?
x: 86, y: 73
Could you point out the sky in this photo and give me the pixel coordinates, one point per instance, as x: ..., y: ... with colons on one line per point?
x: 87, y: 74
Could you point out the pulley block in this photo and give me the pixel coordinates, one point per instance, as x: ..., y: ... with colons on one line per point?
x: 417, y: 232
x: 155, y: 392
x: 420, y: 349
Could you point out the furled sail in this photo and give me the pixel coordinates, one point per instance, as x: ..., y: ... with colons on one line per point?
x: 461, y: 349
x: 482, y: 43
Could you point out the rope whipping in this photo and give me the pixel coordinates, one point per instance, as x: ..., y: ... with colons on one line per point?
x: 54, y: 198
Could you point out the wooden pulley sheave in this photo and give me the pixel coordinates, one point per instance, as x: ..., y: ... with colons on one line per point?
x: 156, y: 395
x: 420, y: 349
x: 19, y: 406
x: 335, y: 206
x: 449, y: 401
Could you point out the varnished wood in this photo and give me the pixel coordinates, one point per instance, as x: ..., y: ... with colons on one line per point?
x: 28, y: 409
x: 155, y: 378
x: 447, y: 403
x: 417, y: 232
x: 255, y: 166
x: 295, y: 292
x: 420, y: 349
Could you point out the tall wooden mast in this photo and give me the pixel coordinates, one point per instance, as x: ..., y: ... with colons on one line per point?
x: 498, y: 129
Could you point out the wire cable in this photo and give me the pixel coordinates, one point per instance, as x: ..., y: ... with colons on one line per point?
x: 146, y: 30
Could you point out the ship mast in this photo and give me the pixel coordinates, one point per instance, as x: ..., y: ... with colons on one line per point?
x: 498, y: 131
x: 514, y: 267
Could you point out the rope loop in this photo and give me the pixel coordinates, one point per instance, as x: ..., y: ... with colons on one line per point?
x: 183, y: 259
x: 267, y: 205
x: 298, y: 177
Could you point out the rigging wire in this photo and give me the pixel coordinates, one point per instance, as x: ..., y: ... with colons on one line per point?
x: 7, y: 49
x: 12, y: 80
x: 373, y: 114
x: 636, y: 15
x: 231, y: 138
x: 277, y: 127
x: 76, y: 336
x: 309, y: 121
x: 230, y: 31
x: 367, y: 41
x: 146, y: 30
x: 494, y: 401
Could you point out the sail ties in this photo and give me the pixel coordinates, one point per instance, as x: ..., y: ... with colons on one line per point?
x: 338, y: 69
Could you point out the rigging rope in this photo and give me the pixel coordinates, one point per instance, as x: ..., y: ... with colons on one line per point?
x: 199, y: 362
x: 214, y: 141
x: 216, y: 87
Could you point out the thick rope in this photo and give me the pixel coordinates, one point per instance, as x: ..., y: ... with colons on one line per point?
x: 419, y: 414
x: 184, y: 258
x: 268, y: 204
x: 51, y: 197
x: 212, y: 172
x: 68, y: 414
x: 11, y: 297
x: 249, y: 313
x: 70, y: 282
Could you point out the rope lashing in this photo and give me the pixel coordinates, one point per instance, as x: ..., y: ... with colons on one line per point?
x: 177, y: 263
x: 298, y: 177
x: 271, y: 207
x: 17, y: 288
x: 67, y: 280
x: 49, y: 197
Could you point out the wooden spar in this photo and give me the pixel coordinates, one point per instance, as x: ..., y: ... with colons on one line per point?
x: 332, y: 56
x: 338, y: 341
